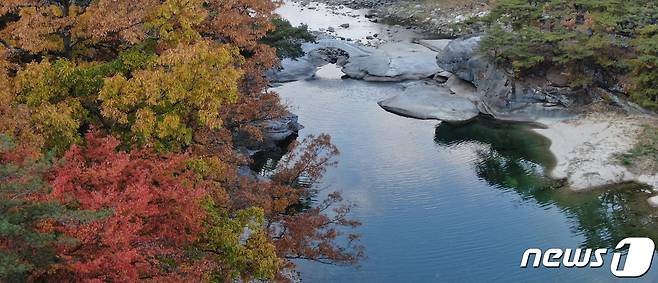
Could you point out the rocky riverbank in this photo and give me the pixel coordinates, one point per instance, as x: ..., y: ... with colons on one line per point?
x: 588, y: 129
x: 445, y: 19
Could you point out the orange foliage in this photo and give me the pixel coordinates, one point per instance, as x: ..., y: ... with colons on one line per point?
x: 64, y: 27
x: 154, y: 208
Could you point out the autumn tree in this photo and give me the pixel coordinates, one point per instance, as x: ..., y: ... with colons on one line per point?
x: 69, y: 28
x: 29, y: 239
x: 180, y: 84
x: 15, y: 116
x: 299, y: 228
x: 182, y: 91
x: 243, y: 23
x: 303, y: 230
x: 153, y: 208
x: 238, y: 245
x: 62, y: 96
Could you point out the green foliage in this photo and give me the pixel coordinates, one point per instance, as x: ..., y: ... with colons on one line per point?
x: 63, y: 95
x: 242, y: 241
x: 584, y: 37
x: 570, y: 33
x: 183, y: 90
x: 87, y: 81
x: 287, y: 39
x: 645, y: 68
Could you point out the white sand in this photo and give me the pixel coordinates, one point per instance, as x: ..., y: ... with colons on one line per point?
x: 586, y: 149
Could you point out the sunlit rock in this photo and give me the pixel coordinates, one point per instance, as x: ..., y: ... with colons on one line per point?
x: 428, y: 101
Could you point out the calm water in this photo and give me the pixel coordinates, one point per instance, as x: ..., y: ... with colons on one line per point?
x: 453, y: 203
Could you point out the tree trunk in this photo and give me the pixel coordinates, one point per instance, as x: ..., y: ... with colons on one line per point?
x: 66, y: 33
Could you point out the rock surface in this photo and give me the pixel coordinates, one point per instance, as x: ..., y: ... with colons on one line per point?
x: 462, y: 88
x: 423, y: 100
x: 498, y: 94
x: 276, y: 133
x: 280, y: 129
x: 295, y: 70
x: 395, y: 61
x: 305, y: 67
x: 436, y: 45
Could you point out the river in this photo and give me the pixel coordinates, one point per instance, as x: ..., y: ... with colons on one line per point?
x: 442, y: 203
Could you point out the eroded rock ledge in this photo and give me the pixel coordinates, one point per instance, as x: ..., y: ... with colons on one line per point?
x: 499, y: 94
x: 423, y: 100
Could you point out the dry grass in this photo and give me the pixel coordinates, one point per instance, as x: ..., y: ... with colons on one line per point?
x: 643, y: 157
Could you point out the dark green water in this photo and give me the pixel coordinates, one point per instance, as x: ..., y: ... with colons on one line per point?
x: 443, y: 203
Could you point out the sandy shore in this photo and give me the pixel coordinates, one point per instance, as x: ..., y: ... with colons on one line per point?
x: 587, y: 149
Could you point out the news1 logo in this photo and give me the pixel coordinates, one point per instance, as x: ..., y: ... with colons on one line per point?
x: 637, y: 260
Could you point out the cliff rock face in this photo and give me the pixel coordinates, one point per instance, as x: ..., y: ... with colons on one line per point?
x: 498, y: 93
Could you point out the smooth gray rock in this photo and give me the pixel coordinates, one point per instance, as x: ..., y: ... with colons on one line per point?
x: 295, y: 70
x: 456, y: 55
x: 396, y: 61
x: 462, y: 88
x: 280, y: 129
x: 443, y: 77
x: 274, y: 132
x: 306, y: 66
x: 423, y: 100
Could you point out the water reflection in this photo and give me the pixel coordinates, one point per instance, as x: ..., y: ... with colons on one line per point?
x: 511, y: 155
x: 514, y: 158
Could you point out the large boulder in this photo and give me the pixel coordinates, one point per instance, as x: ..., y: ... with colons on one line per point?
x: 462, y: 88
x: 423, y: 100
x: 456, y: 57
x: 295, y: 69
x: 316, y: 54
x: 395, y: 61
x: 280, y: 129
x: 498, y: 93
x: 276, y: 133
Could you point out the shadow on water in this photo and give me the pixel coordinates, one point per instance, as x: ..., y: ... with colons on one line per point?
x: 515, y: 158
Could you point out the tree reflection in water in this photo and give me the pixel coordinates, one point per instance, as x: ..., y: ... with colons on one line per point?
x: 512, y: 157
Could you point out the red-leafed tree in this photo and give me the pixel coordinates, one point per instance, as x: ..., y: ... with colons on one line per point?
x: 133, y: 69
x: 299, y: 228
x: 153, y: 208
